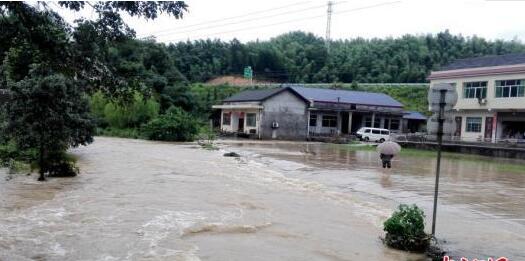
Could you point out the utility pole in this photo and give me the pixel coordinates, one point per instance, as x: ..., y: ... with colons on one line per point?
x: 328, y: 24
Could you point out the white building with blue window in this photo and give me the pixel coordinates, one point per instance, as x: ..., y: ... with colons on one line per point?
x: 491, y: 97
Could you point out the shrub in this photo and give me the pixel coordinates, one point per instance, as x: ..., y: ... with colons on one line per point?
x: 10, y: 152
x: 121, y: 133
x: 63, y: 165
x: 126, y: 115
x: 405, y: 229
x: 175, y: 125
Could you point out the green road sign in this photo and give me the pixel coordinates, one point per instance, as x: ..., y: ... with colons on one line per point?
x: 248, y: 72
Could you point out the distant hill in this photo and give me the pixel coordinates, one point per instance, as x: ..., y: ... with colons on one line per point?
x: 303, y: 57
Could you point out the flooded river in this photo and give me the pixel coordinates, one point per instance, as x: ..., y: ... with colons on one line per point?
x: 141, y: 200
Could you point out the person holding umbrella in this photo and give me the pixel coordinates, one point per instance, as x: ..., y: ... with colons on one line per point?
x: 387, y: 150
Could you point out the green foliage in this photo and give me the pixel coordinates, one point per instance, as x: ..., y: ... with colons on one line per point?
x: 57, y: 118
x: 175, y: 125
x: 131, y: 115
x: 10, y: 152
x: 302, y: 57
x: 204, y: 96
x: 121, y: 133
x: 405, y: 229
x: 206, y: 138
x: 49, y: 67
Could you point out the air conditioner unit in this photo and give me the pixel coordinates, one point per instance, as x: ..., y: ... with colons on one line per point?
x: 482, y: 101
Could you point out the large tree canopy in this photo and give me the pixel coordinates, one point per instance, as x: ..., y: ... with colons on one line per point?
x: 50, y: 67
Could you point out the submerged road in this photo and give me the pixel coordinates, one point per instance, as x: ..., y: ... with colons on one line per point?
x: 142, y: 200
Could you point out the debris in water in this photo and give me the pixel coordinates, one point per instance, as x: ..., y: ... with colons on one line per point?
x: 231, y: 154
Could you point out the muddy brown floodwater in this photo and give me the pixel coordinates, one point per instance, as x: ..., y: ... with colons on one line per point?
x: 141, y: 200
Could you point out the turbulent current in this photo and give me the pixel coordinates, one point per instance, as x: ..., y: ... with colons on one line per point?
x: 141, y: 200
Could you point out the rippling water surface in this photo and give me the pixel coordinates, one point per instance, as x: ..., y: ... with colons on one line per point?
x: 140, y: 200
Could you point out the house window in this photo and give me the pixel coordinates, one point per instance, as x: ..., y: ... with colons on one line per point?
x: 329, y: 121
x: 475, y: 90
x: 251, y: 120
x: 226, y: 118
x: 313, y: 120
x: 394, y: 124
x: 510, y: 88
x: 368, y: 122
x: 473, y: 124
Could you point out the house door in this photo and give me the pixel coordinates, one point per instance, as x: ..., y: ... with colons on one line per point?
x: 488, y: 128
x: 357, y: 120
x: 459, y: 120
x: 241, y: 125
x: 344, y: 122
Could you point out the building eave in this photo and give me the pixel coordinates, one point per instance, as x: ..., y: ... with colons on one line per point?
x: 237, y: 106
x: 474, y: 72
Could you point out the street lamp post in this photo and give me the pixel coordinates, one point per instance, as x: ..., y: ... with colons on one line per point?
x: 441, y: 119
x: 442, y: 97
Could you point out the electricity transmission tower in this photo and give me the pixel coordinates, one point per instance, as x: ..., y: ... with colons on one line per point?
x: 328, y: 23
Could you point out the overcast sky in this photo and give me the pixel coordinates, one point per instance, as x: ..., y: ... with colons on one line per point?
x: 264, y: 19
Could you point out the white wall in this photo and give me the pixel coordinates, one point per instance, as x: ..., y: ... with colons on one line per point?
x: 234, y: 124
x: 473, y: 136
x: 492, y: 101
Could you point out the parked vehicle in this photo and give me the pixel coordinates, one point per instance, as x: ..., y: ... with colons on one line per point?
x: 373, y: 134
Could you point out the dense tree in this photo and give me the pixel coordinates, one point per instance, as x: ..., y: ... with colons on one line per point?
x: 49, y: 67
x: 303, y: 57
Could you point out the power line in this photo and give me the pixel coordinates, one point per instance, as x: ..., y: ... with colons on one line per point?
x: 245, y: 20
x: 291, y: 21
x: 233, y: 17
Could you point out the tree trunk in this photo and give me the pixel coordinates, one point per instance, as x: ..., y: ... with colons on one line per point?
x: 41, y: 160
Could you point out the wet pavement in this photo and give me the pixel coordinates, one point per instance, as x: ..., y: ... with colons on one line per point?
x: 141, y: 200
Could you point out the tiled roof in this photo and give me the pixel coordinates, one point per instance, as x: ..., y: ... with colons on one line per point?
x: 486, y: 61
x: 345, y: 96
x: 414, y: 115
x: 253, y: 95
x: 320, y: 95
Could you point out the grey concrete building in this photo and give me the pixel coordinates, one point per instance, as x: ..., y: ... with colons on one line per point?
x: 300, y: 113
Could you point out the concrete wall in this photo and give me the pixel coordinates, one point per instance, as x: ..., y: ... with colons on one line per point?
x: 234, y: 124
x: 492, y: 101
x: 500, y: 152
x: 319, y: 126
x: 289, y: 111
x: 473, y: 136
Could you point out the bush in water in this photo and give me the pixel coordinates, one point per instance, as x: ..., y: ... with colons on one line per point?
x: 175, y: 125
x: 405, y: 229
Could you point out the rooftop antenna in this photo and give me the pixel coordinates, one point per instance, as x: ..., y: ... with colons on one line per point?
x: 328, y: 24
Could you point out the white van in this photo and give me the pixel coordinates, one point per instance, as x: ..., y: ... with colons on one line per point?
x: 373, y: 134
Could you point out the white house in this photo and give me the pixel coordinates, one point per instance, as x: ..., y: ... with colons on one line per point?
x: 491, y: 97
